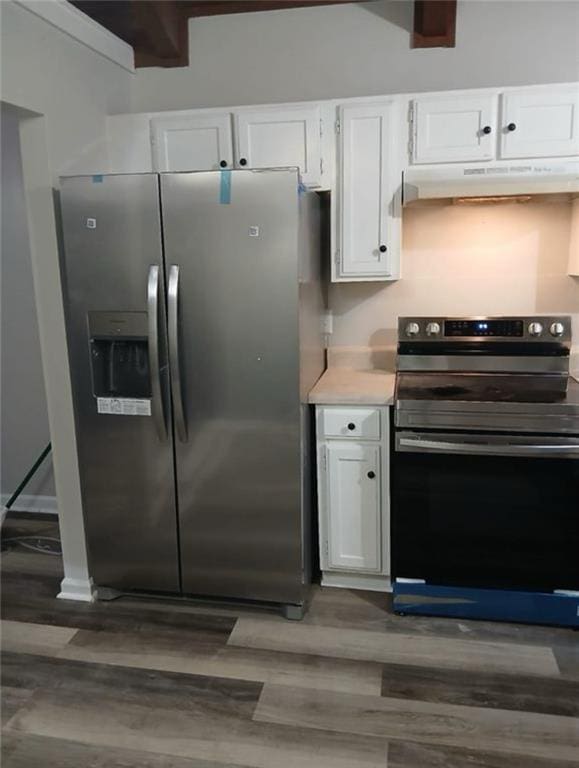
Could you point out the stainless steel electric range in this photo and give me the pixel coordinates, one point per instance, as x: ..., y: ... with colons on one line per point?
x: 485, y: 469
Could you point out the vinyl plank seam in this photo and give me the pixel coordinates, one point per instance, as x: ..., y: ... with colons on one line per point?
x: 323, y: 708
x: 397, y: 649
x: 467, y: 688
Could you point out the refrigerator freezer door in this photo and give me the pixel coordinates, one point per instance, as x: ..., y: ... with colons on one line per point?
x: 234, y: 238
x: 118, y: 351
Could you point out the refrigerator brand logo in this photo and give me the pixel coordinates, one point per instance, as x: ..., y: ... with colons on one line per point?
x: 254, y: 231
x: 91, y: 223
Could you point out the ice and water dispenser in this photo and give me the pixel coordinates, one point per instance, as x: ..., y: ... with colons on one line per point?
x: 119, y: 353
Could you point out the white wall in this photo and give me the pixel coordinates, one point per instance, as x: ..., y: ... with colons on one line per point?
x: 47, y: 71
x: 466, y: 260
x: 23, y: 401
x: 73, y: 88
x: 359, y: 50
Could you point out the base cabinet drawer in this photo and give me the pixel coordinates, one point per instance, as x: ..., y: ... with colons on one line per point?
x: 358, y: 423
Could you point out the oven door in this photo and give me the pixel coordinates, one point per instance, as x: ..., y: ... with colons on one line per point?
x: 486, y: 510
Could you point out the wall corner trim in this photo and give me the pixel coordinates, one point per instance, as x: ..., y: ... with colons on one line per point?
x: 77, y: 589
x: 64, y: 16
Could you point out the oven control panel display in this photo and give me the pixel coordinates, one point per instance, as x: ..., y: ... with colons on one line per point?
x: 504, y: 328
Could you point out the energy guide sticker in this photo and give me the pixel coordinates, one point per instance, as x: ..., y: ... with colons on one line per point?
x: 123, y: 406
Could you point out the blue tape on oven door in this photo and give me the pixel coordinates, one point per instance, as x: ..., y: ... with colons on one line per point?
x: 225, y: 187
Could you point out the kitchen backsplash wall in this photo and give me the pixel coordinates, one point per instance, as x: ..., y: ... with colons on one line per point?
x: 466, y: 260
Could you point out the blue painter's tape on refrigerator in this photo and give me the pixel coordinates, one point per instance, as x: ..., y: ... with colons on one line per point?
x: 97, y: 178
x: 225, y: 187
x: 495, y: 604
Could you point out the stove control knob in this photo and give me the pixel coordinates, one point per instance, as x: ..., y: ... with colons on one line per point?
x: 433, y: 329
x: 557, y: 329
x: 412, y: 329
x: 535, y: 329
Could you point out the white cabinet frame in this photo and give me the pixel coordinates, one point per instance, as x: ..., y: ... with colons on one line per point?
x: 346, y: 571
x: 540, y: 123
x: 368, y: 185
x: 213, y: 127
x: 454, y: 129
x: 304, y: 121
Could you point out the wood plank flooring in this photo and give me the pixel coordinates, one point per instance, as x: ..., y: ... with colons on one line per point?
x: 141, y: 683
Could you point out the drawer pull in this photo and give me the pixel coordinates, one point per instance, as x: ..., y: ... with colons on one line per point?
x: 351, y: 426
x: 371, y: 475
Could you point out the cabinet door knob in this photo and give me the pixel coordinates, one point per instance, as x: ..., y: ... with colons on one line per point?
x: 382, y: 249
x: 487, y: 129
x: 371, y: 475
x: 351, y: 426
x: 223, y: 164
x: 242, y: 161
x: 512, y: 127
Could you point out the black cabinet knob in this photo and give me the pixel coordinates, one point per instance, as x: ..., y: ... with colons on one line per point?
x: 223, y: 164
x: 487, y: 129
x: 512, y: 127
x: 371, y: 475
x: 351, y: 426
x: 242, y: 161
x: 382, y: 249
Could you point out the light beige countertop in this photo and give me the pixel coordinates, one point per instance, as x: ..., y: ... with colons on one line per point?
x: 349, y: 386
x: 352, y: 379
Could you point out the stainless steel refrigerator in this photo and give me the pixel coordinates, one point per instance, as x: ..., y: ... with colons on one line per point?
x: 194, y: 305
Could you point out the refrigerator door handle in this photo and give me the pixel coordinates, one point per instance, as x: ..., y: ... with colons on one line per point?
x: 174, y: 360
x: 157, y: 406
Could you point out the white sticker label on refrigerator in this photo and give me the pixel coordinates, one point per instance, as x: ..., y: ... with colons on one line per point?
x: 91, y: 223
x: 123, y: 406
x: 254, y: 231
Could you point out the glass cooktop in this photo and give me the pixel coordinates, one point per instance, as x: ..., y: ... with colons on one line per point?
x: 485, y: 388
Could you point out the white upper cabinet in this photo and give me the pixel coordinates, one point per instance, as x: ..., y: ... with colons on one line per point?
x: 192, y: 143
x: 354, y: 535
x: 454, y: 129
x: 278, y: 137
x: 544, y: 123
x: 368, y: 217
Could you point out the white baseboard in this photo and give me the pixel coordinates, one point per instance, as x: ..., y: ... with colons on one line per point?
x: 30, y: 503
x: 77, y: 589
x: 356, y: 581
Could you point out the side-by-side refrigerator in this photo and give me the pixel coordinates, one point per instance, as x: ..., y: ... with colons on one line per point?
x: 194, y: 304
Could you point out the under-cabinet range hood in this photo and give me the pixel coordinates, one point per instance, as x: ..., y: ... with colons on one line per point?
x: 491, y: 183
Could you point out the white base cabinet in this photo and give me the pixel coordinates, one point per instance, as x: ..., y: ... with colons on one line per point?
x: 353, y: 496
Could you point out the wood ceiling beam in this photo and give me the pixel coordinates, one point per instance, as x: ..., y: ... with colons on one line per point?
x: 161, y: 31
x: 158, y: 29
x: 217, y: 7
x: 434, y: 24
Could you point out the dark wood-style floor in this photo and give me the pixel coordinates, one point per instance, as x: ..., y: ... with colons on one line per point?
x: 138, y: 683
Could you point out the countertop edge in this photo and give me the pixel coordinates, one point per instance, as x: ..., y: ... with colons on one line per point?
x: 350, y: 386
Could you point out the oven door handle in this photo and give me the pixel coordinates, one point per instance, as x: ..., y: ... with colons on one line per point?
x: 420, y: 445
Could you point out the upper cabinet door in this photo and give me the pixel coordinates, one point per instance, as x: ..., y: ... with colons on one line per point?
x: 454, y: 129
x: 540, y: 124
x: 367, y: 241
x: 195, y: 143
x: 281, y: 137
